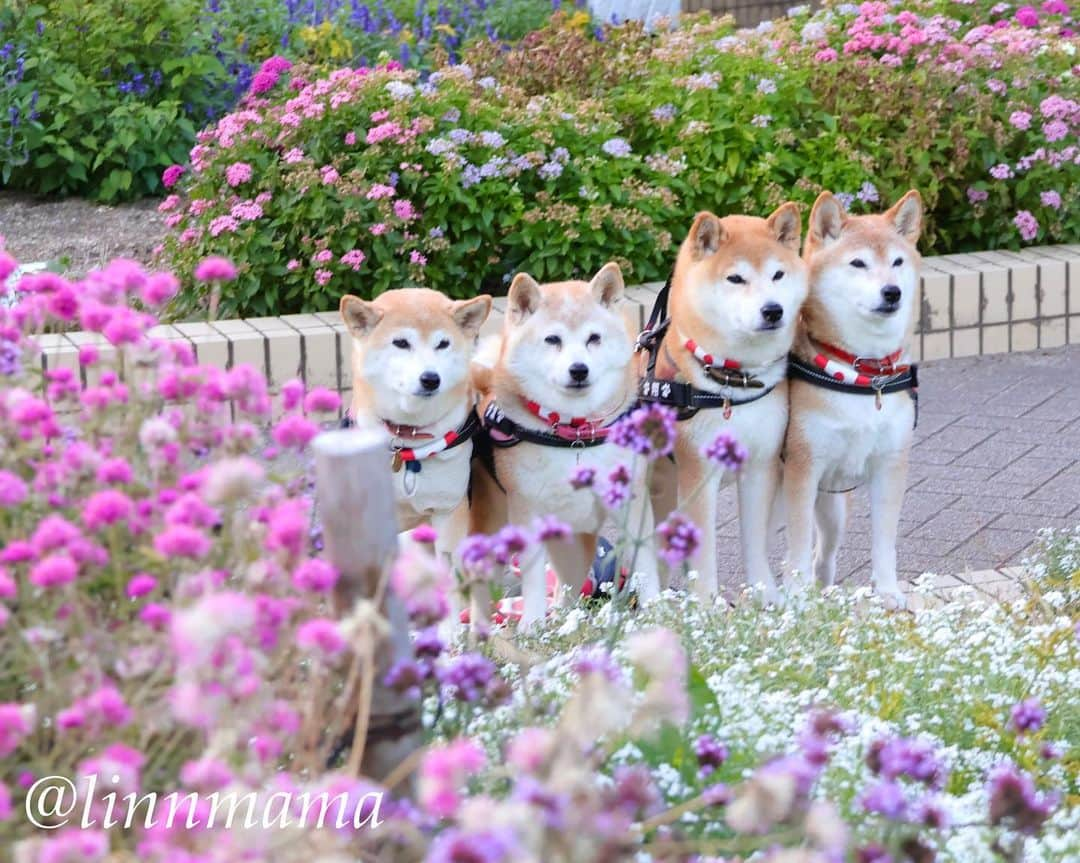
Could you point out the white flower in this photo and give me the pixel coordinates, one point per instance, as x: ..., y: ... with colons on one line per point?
x: 400, y: 90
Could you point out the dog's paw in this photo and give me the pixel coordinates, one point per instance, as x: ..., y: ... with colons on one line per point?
x: 893, y: 599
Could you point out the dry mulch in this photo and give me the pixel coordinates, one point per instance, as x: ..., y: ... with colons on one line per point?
x: 78, y: 234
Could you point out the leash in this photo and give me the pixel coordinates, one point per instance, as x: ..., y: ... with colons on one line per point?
x: 684, y: 397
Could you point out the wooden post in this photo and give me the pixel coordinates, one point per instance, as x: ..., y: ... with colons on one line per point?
x: 356, y: 506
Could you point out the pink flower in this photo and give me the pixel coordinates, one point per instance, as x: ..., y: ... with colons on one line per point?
x: 114, y: 471
x: 404, y: 210
x: 380, y: 190
x: 1050, y: 199
x: 16, y: 722
x: 323, y: 257
x: 262, y: 82
x: 12, y: 489
x: 321, y: 400
x: 140, y: 585
x: 105, y: 508
x: 826, y: 55
x: 53, y: 571
x: 292, y: 393
x: 350, y: 139
x: 353, y: 259
x: 293, y: 156
x: 379, y: 228
x: 1027, y: 16
x: 329, y: 175
x: 159, y: 288
x: 443, y: 773
x: 171, y: 175
x: 315, y: 575
x: 323, y: 276
x: 321, y: 634
x: 237, y: 173
x: 276, y: 65
x: 531, y: 749
x: 155, y: 615
x: 293, y: 264
x: 294, y: 431
x: 215, y: 268
x: 223, y: 225
x: 976, y: 196
x: 179, y: 540
x: 416, y: 258
x: 74, y: 845
x: 1027, y: 224
x: 1055, y: 130
x: 1020, y: 119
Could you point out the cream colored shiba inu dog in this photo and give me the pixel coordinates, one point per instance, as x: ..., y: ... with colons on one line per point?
x: 853, y: 406
x: 560, y: 375
x: 721, y: 361
x: 410, y: 369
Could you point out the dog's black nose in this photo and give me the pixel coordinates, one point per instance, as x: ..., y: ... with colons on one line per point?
x: 772, y: 312
x: 430, y: 381
x: 579, y: 371
x: 891, y: 294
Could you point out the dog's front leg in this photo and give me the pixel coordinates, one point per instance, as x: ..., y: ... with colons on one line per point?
x: 801, y: 480
x: 533, y: 586
x: 830, y: 512
x: 887, y: 482
x: 757, y: 488
x: 701, y: 510
x: 645, y: 561
x: 571, y: 560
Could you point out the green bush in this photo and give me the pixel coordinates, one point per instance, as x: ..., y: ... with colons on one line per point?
x: 100, y: 97
x: 576, y: 148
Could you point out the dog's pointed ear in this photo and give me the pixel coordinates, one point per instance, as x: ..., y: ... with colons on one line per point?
x: 524, y: 297
x: 907, y: 216
x: 826, y: 219
x: 607, y: 286
x: 471, y: 314
x: 786, y: 225
x: 359, y: 315
x: 706, y: 235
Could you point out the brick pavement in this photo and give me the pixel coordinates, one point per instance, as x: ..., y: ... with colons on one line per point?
x: 996, y: 458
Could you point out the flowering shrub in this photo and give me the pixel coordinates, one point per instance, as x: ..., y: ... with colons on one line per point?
x: 165, y: 628
x: 568, y: 152
x: 99, y: 97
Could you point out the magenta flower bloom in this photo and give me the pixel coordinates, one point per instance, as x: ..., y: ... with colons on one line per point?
x: 443, y: 773
x: 179, y: 540
x: 1050, y: 199
x: 1027, y: 16
x: 710, y: 752
x: 105, y: 508
x: 649, y: 431
x: 215, y: 268
x: 1027, y: 225
x: 292, y: 393
x: 583, y: 477
x: 171, y: 175
x: 726, y: 452
x: 885, y: 798
x: 16, y: 722
x: 679, y: 539
x: 159, y: 288
x: 12, y: 489
x: 322, y: 635
x: 315, y: 575
x: 140, y: 585
x: 54, y: 571
x: 295, y: 431
x: 424, y: 533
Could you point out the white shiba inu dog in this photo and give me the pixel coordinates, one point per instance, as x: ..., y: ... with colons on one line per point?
x: 735, y: 295
x: 853, y: 409
x: 561, y: 374
x: 410, y: 369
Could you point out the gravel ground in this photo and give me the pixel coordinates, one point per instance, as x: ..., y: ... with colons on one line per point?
x: 77, y: 233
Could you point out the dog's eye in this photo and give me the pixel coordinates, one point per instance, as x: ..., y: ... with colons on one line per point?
x: 442, y: 345
x: 553, y: 340
x: 859, y: 264
x: 401, y: 343
x: 898, y: 262
x: 778, y: 275
x: 594, y: 339
x: 736, y: 279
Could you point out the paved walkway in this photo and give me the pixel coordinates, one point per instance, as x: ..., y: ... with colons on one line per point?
x: 996, y: 458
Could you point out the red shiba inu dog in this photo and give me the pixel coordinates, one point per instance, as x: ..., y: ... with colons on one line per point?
x: 721, y: 361
x: 557, y: 379
x: 410, y: 368
x: 853, y: 391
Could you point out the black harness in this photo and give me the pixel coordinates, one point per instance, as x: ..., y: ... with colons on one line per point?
x: 905, y: 381
x: 684, y: 397
x: 511, y: 433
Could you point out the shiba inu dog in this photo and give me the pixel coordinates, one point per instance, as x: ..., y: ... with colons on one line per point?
x: 560, y: 374
x: 721, y: 360
x: 410, y: 369
x: 853, y: 406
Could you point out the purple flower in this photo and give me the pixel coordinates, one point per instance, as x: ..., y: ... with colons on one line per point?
x: 1050, y: 199
x: 726, y: 452
x: 1020, y: 120
x: 616, y: 147
x: 474, y: 552
x: 405, y: 676
x: 467, y: 677
x: 649, y: 431
x: 710, y: 752
x: 583, y: 477
x: 976, y: 196
x: 868, y: 193
x: 679, y: 539
x: 1001, y: 172
x: 215, y: 268
x: 1027, y: 716
x: 508, y: 543
x: 1013, y: 799
x: 1027, y: 225
x: 885, y: 798
x: 902, y: 756
x: 548, y: 528
x: 617, y: 490
x: 486, y: 846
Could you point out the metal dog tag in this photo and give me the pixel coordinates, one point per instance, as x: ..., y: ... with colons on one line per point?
x: 397, y: 461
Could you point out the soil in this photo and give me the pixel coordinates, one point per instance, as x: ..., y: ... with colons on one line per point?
x: 76, y: 234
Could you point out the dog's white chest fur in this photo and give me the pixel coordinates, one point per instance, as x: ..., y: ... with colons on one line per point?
x: 538, y: 480
x: 758, y: 426
x: 852, y: 434
x: 437, y: 488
